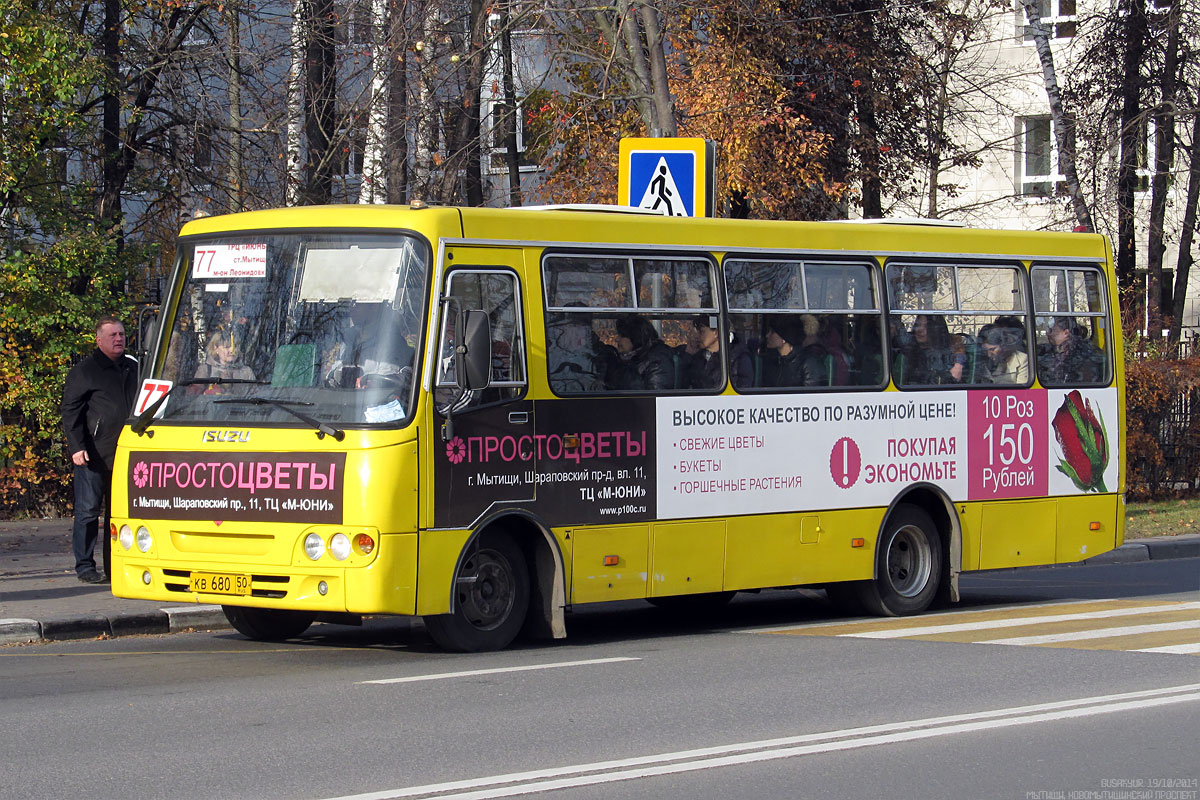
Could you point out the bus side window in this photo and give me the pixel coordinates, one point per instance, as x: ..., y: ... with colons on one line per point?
x: 495, y: 292
x: 1071, y: 325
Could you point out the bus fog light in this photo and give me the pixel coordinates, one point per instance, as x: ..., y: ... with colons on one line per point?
x: 339, y: 546
x: 146, y: 577
x: 144, y: 540
x: 314, y: 546
x: 126, y: 537
x: 322, y: 588
x: 364, y: 544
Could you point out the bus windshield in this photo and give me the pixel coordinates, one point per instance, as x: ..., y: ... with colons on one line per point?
x: 324, y: 324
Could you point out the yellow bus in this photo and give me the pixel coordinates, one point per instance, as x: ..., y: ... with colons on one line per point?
x: 486, y: 417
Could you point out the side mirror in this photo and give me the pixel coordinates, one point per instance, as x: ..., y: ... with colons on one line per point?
x: 474, y: 361
x: 147, y: 335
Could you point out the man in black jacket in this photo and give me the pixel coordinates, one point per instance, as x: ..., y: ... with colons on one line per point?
x: 97, y: 397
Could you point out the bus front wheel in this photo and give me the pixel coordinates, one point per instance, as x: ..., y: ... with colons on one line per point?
x: 491, y: 598
x: 908, y: 565
x: 268, y: 624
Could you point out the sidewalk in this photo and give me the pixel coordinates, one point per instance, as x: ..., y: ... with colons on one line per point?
x: 41, y: 600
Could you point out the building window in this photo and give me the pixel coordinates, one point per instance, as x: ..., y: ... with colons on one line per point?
x: 501, y: 122
x: 1057, y: 15
x: 1038, y: 168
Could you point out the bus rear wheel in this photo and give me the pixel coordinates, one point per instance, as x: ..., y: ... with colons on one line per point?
x: 268, y: 624
x: 491, y: 598
x: 908, y: 565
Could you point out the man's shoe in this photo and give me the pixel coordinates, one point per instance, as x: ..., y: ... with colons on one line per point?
x: 91, y: 576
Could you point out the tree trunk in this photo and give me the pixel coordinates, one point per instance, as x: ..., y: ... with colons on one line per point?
x: 463, y: 152
x: 321, y: 87
x: 1135, y: 50
x: 294, y: 177
x: 1164, y: 157
x: 108, y: 214
x: 1063, y: 128
x: 1187, y: 233
x: 373, y: 188
x: 427, y: 113
x: 397, y: 131
x: 512, y: 110
x: 937, y: 127
x: 660, y: 85
x: 237, y: 198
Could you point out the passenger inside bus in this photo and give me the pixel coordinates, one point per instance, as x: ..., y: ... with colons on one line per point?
x: 1003, y: 343
x: 797, y: 359
x: 373, y: 347
x: 833, y: 340
x: 932, y: 356
x: 644, y: 362
x: 577, y: 361
x: 222, y: 359
x: 703, y: 365
x: 1069, y: 356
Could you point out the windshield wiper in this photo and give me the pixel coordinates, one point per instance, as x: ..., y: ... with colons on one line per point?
x: 146, y: 418
x: 323, y: 429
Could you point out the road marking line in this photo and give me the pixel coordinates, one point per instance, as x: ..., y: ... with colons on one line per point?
x: 927, y: 630
x: 971, y: 612
x: 438, y: 676
x: 1181, y: 649
x: 1100, y: 633
x: 542, y: 780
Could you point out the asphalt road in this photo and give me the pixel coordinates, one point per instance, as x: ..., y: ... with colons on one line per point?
x: 777, y: 697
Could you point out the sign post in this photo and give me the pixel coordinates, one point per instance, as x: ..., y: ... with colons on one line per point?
x: 675, y: 177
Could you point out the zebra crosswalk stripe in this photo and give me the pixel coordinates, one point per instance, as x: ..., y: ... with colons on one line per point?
x: 1101, y: 633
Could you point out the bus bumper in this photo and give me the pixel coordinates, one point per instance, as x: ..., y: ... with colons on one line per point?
x: 385, y: 585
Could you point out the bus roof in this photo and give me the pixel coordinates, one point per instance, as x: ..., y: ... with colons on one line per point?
x: 591, y: 225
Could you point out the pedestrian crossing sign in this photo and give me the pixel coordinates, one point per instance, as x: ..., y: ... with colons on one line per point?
x: 672, y: 176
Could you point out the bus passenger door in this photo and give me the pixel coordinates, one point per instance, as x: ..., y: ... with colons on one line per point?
x: 489, y: 461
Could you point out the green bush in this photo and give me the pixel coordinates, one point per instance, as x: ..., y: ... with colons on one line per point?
x: 46, y: 325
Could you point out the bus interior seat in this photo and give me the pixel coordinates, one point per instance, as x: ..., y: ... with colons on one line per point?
x: 295, y: 365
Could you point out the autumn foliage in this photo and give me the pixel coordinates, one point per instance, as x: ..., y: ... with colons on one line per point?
x: 724, y: 89
x: 1160, y: 445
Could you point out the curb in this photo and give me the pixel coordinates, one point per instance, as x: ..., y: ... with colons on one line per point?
x: 1125, y: 554
x: 1150, y: 550
x: 89, y: 626
x: 1176, y: 548
x: 20, y: 631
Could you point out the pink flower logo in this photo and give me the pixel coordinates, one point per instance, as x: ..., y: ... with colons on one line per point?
x: 456, y: 450
x: 141, y: 475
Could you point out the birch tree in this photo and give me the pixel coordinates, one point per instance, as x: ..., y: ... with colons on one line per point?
x: 1060, y: 122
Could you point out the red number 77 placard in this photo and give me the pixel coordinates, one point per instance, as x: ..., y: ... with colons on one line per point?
x: 150, y: 392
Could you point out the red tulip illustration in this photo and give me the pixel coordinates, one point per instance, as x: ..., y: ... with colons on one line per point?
x: 1081, y: 439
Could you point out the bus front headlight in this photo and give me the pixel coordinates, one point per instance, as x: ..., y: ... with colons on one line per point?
x: 314, y: 546
x: 125, y: 537
x: 144, y: 540
x: 339, y: 546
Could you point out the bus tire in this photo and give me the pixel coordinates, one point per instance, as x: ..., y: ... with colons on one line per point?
x: 268, y: 624
x: 491, y: 598
x: 908, y: 565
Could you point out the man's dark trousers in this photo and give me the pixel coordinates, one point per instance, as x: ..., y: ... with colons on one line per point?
x: 91, y: 494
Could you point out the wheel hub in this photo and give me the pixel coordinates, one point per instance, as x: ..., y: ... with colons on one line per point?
x: 909, y: 561
x: 487, y: 589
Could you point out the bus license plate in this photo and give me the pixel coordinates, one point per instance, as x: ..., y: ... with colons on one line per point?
x: 217, y: 583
